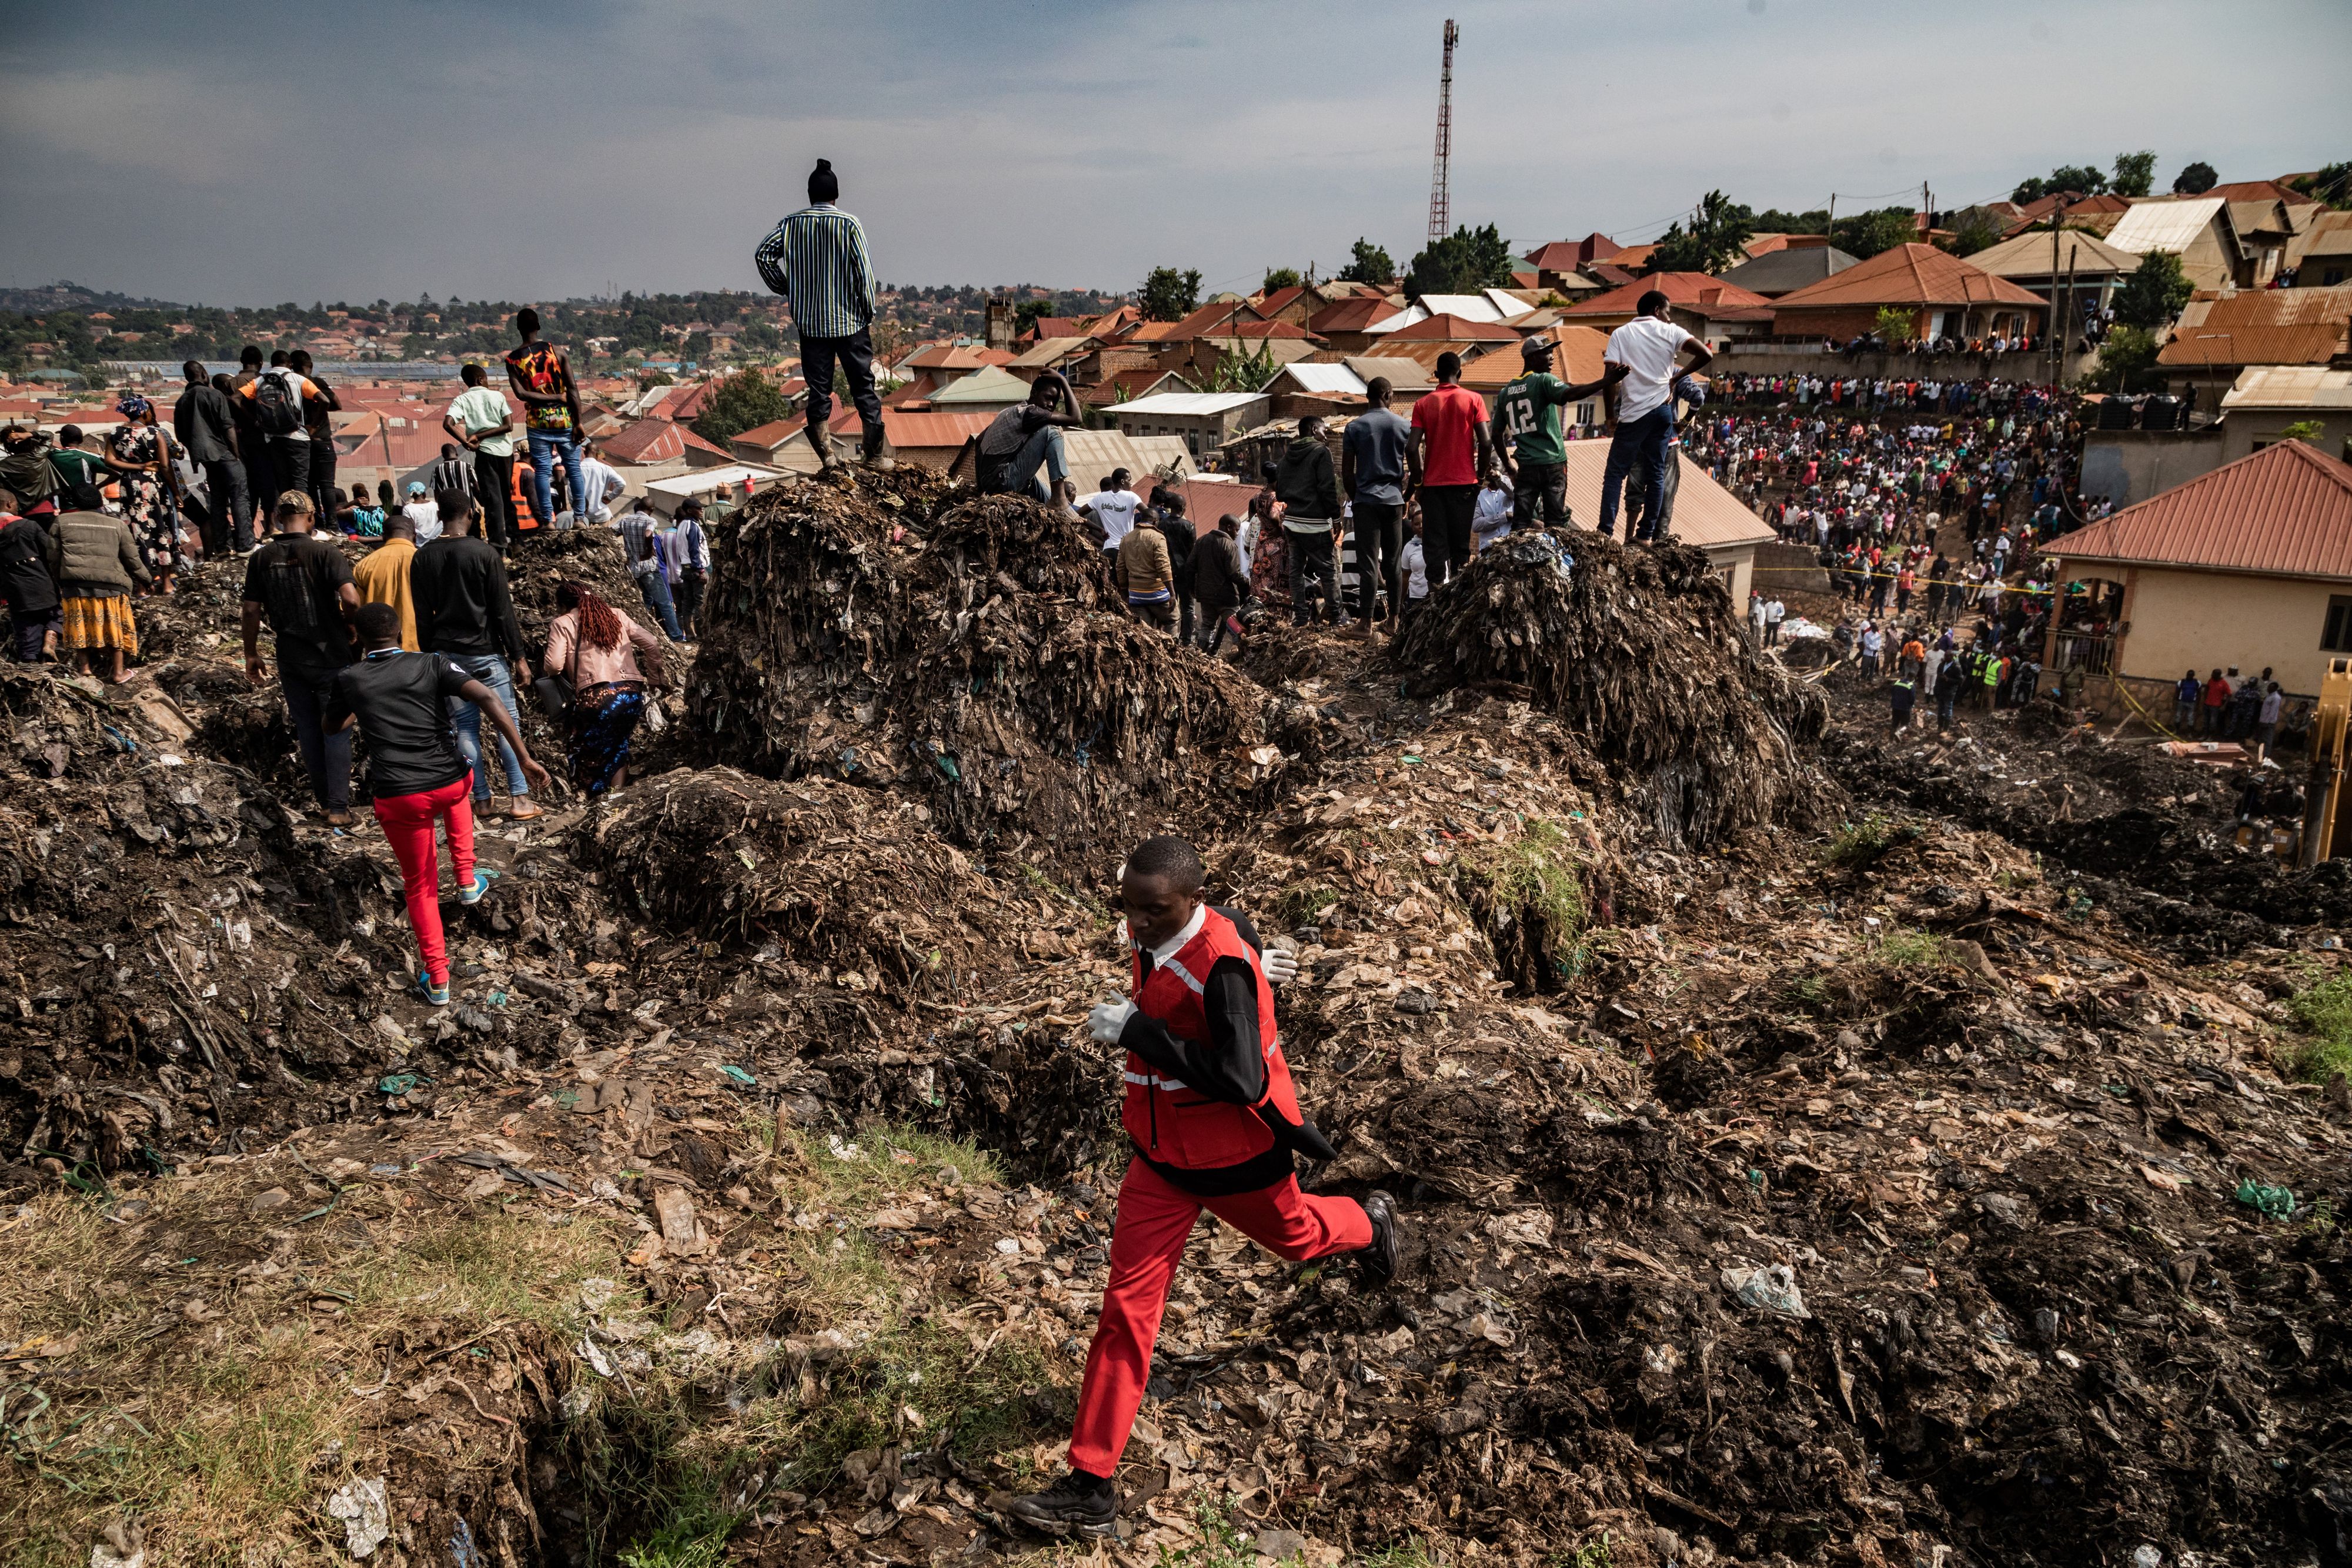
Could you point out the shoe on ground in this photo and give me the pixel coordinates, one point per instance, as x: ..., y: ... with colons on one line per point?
x: 869, y: 451
x: 522, y: 808
x: 434, y: 996
x: 1381, y: 1260
x: 481, y: 887
x: 1075, y: 1505
x: 339, y: 818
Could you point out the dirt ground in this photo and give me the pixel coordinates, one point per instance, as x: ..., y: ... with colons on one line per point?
x: 1815, y: 1149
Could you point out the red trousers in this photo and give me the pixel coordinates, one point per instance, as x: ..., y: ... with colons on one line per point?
x: 1147, y: 1242
x: 407, y: 822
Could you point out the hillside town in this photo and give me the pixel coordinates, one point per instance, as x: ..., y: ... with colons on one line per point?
x: 1554, y: 902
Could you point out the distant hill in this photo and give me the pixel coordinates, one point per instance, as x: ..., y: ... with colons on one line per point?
x: 64, y: 296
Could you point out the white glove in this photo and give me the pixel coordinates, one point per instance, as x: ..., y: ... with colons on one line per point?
x: 1281, y: 963
x: 1108, y: 1020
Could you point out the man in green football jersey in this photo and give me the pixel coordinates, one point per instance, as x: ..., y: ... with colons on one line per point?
x: 1526, y: 427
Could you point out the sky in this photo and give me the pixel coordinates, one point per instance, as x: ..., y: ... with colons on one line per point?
x: 252, y: 151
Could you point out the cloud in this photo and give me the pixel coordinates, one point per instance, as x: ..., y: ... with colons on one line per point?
x: 252, y: 152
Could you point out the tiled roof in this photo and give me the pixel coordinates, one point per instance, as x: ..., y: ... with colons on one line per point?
x: 910, y: 430
x: 1694, y: 291
x: 1577, y: 359
x: 1452, y: 328
x: 1351, y: 315
x: 2286, y: 511
x: 1911, y: 274
x: 774, y: 434
x: 955, y: 357
x: 648, y: 441
x: 1573, y: 255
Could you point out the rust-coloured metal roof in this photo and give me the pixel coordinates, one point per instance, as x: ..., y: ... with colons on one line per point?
x: 2286, y: 511
x: 1912, y: 275
x: 2312, y: 344
x: 1693, y: 291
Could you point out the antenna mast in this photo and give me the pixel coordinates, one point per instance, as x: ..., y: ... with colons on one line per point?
x: 1440, y: 217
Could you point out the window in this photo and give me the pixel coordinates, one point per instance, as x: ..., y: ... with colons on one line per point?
x: 1584, y: 414
x: 2337, y: 637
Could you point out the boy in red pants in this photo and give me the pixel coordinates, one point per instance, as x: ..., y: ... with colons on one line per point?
x: 416, y: 775
x: 1214, y: 1120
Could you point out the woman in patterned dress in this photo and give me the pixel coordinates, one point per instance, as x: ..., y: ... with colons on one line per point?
x: 141, y: 452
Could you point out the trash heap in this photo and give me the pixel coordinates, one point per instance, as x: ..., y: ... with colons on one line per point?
x: 1638, y: 651
x: 893, y: 634
x: 823, y: 875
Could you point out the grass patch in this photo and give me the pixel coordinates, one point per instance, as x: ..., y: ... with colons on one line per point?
x: 2324, y: 1012
x: 1305, y: 905
x: 1534, y: 900
x: 1906, y: 949
x: 1858, y: 844
x: 911, y: 1376
x: 222, y: 1429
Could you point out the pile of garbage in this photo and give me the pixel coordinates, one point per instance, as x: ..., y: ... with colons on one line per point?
x: 970, y: 654
x: 819, y: 873
x: 1638, y: 651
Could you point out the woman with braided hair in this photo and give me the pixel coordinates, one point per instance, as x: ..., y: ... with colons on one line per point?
x: 590, y: 644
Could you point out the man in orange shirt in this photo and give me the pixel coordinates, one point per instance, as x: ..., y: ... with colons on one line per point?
x: 1448, y: 425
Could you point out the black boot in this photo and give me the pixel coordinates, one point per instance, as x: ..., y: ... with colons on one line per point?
x: 1381, y: 1260
x: 870, y: 452
x: 820, y: 436
x: 1078, y: 1504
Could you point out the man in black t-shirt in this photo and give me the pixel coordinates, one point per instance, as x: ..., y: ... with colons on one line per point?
x: 302, y: 585
x: 1023, y: 438
x: 416, y: 775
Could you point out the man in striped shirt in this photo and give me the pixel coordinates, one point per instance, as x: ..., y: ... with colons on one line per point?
x: 817, y: 259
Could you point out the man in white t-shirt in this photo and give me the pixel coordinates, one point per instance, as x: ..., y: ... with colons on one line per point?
x: 421, y: 514
x: 599, y: 488
x: 1642, y: 371
x: 1113, y: 507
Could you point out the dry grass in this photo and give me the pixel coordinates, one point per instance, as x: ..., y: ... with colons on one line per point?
x: 217, y: 1408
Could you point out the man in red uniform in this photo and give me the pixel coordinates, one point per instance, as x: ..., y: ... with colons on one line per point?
x: 1214, y: 1120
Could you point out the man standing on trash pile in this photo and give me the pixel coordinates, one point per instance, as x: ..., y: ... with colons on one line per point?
x: 1643, y: 356
x: 466, y: 617
x: 1526, y: 433
x: 302, y: 584
x: 817, y: 259
x: 416, y: 775
x: 1306, y: 483
x: 1215, y: 1120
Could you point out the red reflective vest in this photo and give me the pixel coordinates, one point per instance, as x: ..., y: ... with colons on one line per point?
x: 1178, y: 1126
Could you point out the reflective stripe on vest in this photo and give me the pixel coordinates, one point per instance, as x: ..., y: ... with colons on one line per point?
x: 1172, y: 1122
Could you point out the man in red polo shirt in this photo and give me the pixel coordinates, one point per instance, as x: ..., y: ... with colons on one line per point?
x: 1213, y: 1119
x: 1451, y: 451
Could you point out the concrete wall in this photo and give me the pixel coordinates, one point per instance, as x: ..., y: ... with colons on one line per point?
x: 2203, y: 620
x: 1782, y: 569
x: 2247, y: 431
x: 2129, y: 465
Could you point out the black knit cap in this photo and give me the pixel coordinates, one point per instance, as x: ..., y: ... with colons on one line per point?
x: 823, y: 184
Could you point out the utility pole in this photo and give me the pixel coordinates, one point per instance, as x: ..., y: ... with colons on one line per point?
x: 2067, y: 329
x: 1440, y: 214
x: 1830, y: 228
x: 2057, y: 342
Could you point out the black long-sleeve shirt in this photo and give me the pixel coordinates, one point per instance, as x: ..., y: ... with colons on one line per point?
x: 463, y: 605
x: 1229, y: 1067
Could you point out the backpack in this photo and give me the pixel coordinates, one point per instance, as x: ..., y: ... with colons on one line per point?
x: 286, y: 594
x: 277, y: 406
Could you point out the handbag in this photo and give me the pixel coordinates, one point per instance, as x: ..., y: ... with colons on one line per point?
x: 553, y: 693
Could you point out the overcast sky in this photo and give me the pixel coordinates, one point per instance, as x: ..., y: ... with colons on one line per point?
x: 249, y: 151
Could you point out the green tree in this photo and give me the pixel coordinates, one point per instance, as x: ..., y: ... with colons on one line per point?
x: 744, y: 400
x: 1026, y: 314
x: 1894, y: 324
x: 1974, y: 230
x: 2127, y: 362
x: 2155, y: 292
x: 2082, y: 179
x: 2135, y: 173
x: 1773, y: 220
x: 1718, y: 230
x: 1168, y: 295
x: 1242, y: 373
x: 1369, y: 263
x: 1280, y: 277
x: 2331, y: 185
x: 2195, y: 180
x: 1864, y: 235
x: 2305, y: 430
x: 1462, y: 263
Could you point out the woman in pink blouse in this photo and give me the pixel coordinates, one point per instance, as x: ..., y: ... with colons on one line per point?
x: 590, y: 644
